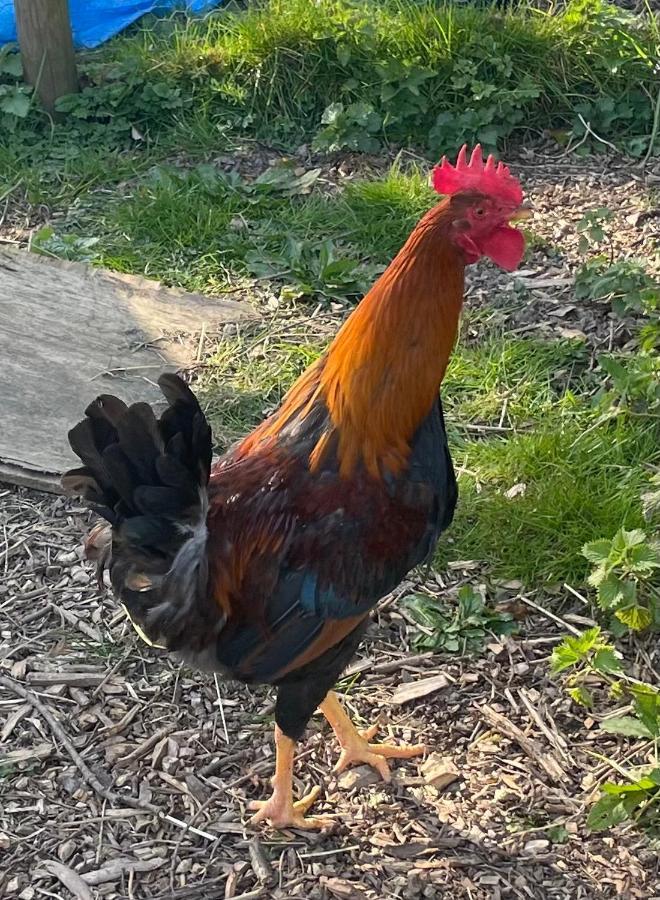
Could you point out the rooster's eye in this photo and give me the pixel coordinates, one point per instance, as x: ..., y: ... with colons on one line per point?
x: 479, y: 212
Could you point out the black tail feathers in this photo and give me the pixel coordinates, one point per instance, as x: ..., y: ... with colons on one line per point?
x: 148, y: 478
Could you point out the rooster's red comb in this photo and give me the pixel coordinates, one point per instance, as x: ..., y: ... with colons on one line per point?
x: 487, y: 177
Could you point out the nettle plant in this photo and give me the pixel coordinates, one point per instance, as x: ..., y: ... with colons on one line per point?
x: 15, y: 97
x: 625, y: 576
x: 120, y: 104
x: 624, y: 283
x: 492, y: 98
x: 587, y: 660
x: 613, y: 112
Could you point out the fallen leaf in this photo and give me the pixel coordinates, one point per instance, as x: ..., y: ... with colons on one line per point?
x: 571, y: 333
x: 339, y: 887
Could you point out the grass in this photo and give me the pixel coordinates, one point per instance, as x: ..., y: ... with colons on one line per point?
x: 575, y: 488
x: 200, y: 228
x: 247, y: 376
x: 197, y: 228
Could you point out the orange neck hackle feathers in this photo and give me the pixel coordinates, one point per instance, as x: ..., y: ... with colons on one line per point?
x: 381, y: 374
x: 383, y: 369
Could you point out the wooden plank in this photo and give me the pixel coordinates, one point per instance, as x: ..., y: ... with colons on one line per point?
x: 69, y: 332
x: 11, y: 473
x: 44, y: 36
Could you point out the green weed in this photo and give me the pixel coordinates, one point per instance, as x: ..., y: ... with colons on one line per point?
x: 14, y: 96
x: 625, y: 284
x: 636, y: 800
x: 362, y: 73
x: 633, y: 380
x: 625, y: 569
x: 462, y: 629
x: 587, y: 659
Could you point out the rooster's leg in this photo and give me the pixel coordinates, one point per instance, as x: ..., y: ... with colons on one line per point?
x: 280, y: 810
x: 355, y: 746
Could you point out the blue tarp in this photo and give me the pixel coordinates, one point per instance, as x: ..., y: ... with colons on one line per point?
x: 95, y: 21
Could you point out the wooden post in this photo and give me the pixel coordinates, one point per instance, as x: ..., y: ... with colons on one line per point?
x: 46, y: 42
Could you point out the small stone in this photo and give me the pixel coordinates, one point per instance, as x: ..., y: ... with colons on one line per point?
x: 439, y: 771
x: 170, y: 764
x: 19, y: 669
x: 66, y: 558
x: 116, y: 750
x: 87, y: 721
x: 80, y: 576
x: 537, y: 846
x: 66, y: 850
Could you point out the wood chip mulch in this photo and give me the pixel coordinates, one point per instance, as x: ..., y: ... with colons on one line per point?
x: 125, y: 775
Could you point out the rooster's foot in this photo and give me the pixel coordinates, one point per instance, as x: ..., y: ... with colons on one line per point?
x: 355, y: 746
x: 281, y: 811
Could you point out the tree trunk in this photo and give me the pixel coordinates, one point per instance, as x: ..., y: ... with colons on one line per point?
x: 44, y: 36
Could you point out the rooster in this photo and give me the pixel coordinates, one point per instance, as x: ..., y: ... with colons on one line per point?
x: 265, y: 566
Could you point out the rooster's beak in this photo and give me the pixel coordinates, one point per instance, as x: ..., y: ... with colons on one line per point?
x: 523, y: 213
